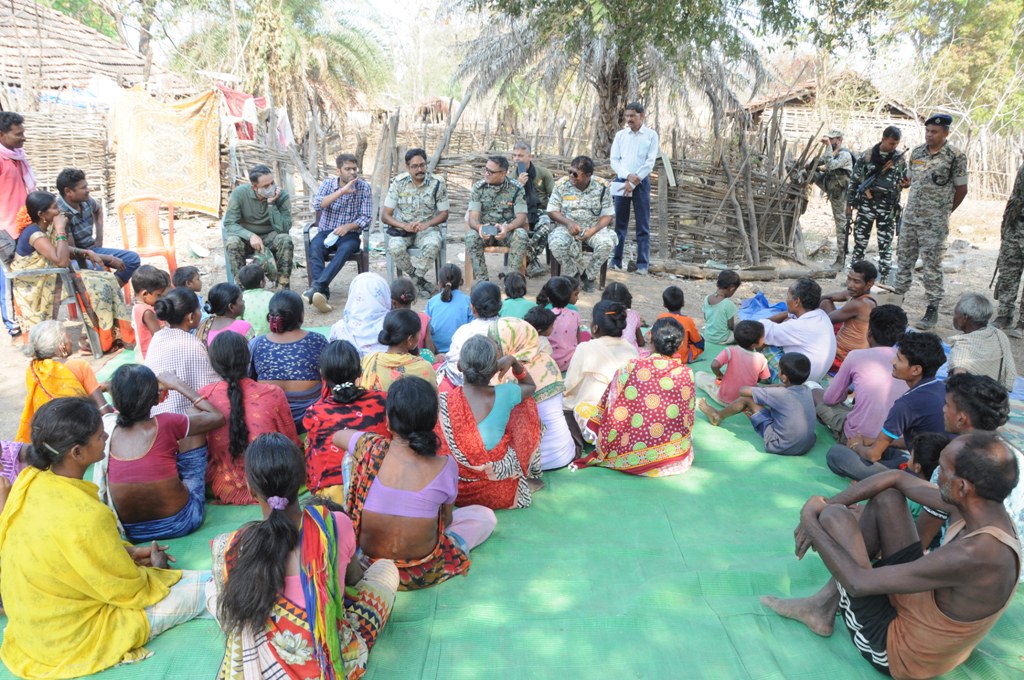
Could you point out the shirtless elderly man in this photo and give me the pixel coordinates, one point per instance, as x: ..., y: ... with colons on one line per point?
x: 912, y: 615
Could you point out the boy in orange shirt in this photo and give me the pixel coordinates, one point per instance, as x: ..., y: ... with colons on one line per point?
x: 693, y: 343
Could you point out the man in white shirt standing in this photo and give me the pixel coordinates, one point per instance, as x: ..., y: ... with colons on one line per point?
x: 802, y: 328
x: 634, y: 151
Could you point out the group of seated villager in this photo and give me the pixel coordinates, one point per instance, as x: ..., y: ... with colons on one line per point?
x: 413, y: 429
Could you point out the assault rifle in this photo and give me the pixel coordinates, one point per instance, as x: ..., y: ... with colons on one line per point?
x: 871, y: 179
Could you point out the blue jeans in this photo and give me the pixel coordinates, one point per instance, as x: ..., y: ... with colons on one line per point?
x: 6, y: 304
x: 131, y: 262
x: 345, y: 247
x: 640, y: 200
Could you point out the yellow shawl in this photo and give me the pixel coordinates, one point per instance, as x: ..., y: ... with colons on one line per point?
x: 75, y: 600
x: 45, y: 380
x: 380, y: 369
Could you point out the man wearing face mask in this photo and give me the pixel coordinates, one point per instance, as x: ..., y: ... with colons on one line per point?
x: 257, y: 220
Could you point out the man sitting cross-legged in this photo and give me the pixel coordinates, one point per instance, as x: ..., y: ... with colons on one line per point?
x: 853, y: 315
x: 913, y: 615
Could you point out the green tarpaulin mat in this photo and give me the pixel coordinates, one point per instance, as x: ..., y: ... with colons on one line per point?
x: 611, y: 576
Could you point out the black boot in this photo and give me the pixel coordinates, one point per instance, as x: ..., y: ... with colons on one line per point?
x: 930, y: 318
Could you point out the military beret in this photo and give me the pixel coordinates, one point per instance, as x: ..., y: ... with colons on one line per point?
x: 943, y: 119
x: 835, y: 134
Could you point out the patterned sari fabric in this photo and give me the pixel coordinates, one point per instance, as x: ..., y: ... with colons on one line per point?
x: 515, y: 459
x: 326, y: 638
x: 518, y: 338
x: 447, y: 559
x: 328, y: 466
x: 645, y: 419
x: 34, y: 294
x: 380, y: 369
x: 45, y: 380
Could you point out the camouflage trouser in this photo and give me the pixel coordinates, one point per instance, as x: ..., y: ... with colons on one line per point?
x: 279, y: 245
x: 429, y: 243
x: 568, y: 250
x: 518, y: 243
x: 927, y: 240
x: 838, y: 204
x: 1011, y: 266
x: 539, y: 239
x: 882, y: 217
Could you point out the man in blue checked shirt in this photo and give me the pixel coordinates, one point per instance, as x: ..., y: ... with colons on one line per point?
x: 634, y: 151
x: 345, y: 205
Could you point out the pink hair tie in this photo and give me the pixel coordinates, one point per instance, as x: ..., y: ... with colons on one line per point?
x: 277, y: 503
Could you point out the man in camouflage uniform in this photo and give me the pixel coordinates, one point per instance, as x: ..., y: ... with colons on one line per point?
x: 886, y: 169
x: 415, y: 209
x: 835, y: 166
x: 938, y: 185
x: 496, y: 204
x: 537, y: 181
x: 1011, y: 259
x: 581, y: 206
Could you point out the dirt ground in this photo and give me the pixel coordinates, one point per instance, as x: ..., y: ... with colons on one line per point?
x: 976, y: 222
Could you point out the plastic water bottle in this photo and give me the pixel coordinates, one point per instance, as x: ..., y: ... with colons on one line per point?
x: 331, y: 239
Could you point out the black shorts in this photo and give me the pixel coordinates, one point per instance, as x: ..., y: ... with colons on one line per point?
x: 868, y: 618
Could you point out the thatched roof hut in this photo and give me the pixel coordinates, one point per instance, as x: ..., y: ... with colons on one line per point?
x: 43, y: 49
x: 846, y: 101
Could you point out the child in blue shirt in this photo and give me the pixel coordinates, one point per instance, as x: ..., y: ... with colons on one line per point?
x: 449, y: 309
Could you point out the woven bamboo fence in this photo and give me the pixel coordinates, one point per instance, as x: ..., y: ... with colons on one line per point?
x: 54, y: 141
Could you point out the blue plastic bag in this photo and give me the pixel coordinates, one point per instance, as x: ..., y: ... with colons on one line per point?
x: 758, y: 307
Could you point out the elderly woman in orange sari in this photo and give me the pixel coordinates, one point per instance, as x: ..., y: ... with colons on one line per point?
x: 644, y: 421
x: 493, y: 432
x: 52, y: 374
x: 401, y: 336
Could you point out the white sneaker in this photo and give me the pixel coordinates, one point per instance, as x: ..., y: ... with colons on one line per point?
x: 320, y: 302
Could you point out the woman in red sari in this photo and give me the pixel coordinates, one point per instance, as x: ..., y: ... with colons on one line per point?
x: 492, y: 432
x: 645, y: 419
x: 252, y: 409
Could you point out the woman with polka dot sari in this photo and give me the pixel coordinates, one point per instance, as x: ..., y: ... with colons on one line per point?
x: 644, y: 421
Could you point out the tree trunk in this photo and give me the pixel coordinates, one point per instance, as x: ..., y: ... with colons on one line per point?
x: 611, y: 84
x: 146, y: 22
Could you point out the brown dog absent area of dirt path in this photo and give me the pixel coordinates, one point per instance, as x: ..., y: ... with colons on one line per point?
x: 974, y: 232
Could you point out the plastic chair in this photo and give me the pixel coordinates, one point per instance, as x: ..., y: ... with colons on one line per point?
x: 556, y: 266
x: 439, y: 261
x: 69, y: 294
x: 361, y: 256
x: 147, y: 226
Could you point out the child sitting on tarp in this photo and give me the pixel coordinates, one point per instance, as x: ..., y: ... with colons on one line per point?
x: 782, y: 414
x: 747, y: 366
x: 719, y: 310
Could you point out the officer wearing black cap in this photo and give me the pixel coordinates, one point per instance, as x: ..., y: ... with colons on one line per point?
x: 938, y: 185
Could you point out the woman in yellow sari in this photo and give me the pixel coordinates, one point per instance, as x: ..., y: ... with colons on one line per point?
x: 43, y: 244
x: 78, y: 598
x: 401, y: 335
x: 52, y: 375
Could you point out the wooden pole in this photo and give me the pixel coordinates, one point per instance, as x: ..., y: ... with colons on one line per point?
x: 447, y: 136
